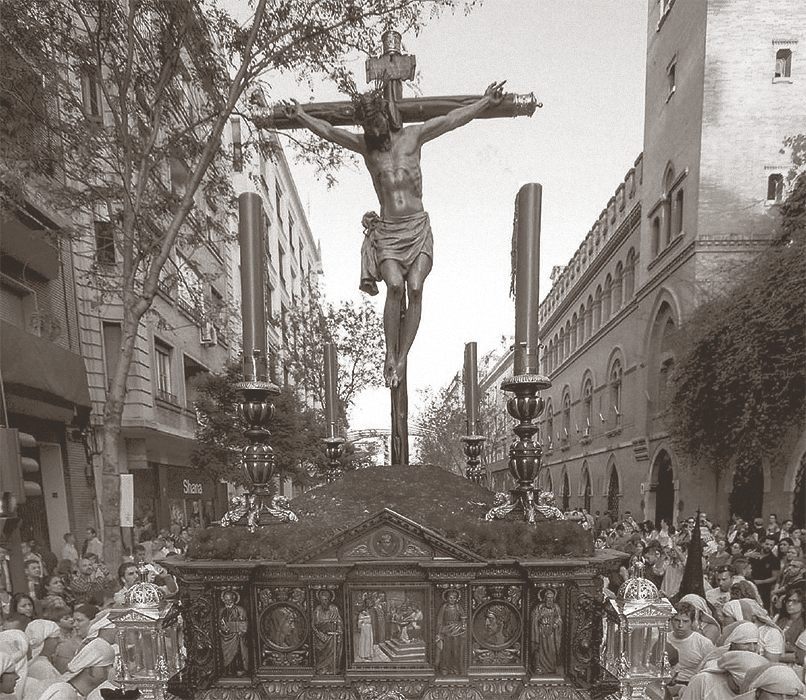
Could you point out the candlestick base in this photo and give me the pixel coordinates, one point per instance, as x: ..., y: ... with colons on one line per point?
x: 525, y: 454
x: 257, y: 409
x: 334, y: 446
x: 474, y: 444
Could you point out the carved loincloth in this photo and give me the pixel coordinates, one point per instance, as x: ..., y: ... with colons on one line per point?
x: 400, y: 238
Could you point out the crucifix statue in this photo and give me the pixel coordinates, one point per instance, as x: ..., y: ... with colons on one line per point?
x: 398, y: 243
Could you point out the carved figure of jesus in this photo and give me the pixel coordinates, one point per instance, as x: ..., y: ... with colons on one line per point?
x: 398, y: 247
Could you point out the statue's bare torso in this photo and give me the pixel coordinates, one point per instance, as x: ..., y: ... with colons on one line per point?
x: 396, y: 174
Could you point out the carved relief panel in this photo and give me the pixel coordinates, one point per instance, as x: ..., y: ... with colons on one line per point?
x: 451, y: 629
x: 497, y: 625
x: 546, y: 629
x: 388, y: 625
x: 283, y: 626
x: 233, y: 631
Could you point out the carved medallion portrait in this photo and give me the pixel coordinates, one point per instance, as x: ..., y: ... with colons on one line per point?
x: 283, y: 626
x: 496, y: 625
x: 387, y: 543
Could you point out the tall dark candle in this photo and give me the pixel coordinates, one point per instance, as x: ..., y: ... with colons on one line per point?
x: 250, y: 235
x: 527, y: 277
x: 471, y: 387
x: 331, y: 393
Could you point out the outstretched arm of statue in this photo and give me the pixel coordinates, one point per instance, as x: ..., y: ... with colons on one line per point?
x: 294, y: 110
x: 460, y: 116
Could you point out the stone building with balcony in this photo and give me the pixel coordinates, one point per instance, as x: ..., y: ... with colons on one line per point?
x: 722, y: 95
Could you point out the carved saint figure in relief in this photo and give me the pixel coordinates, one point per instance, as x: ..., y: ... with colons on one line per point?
x: 328, y: 630
x: 547, y: 627
x: 233, y: 627
x: 451, y: 635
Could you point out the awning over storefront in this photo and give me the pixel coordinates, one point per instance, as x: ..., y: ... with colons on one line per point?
x: 26, y: 239
x: 39, y: 370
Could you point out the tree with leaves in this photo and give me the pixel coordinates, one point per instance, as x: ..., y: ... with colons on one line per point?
x: 357, y: 334
x: 118, y: 107
x: 296, y: 429
x: 739, y: 385
x: 442, y: 423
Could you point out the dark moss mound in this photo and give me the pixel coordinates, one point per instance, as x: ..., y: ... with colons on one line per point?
x: 448, y: 504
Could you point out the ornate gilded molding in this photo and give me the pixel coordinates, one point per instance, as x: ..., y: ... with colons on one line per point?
x: 551, y: 691
x: 378, y: 688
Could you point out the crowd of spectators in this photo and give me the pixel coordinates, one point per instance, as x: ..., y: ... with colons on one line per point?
x: 56, y: 639
x: 754, y: 585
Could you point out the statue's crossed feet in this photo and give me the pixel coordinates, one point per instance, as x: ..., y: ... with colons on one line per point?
x: 394, y: 371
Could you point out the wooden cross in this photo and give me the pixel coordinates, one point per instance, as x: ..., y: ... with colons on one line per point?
x: 390, y: 69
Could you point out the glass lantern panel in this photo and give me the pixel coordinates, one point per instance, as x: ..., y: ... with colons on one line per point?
x: 657, y: 651
x: 138, y: 655
x: 642, y: 640
x: 173, y: 649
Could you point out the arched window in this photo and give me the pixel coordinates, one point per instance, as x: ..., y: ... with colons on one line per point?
x: 555, y: 356
x: 588, y: 489
x: 661, y: 358
x: 589, y: 318
x: 561, y: 347
x: 775, y: 187
x: 615, y: 391
x: 574, y: 333
x: 568, y: 338
x: 566, y: 436
x: 607, y: 299
x: 668, y: 181
x: 655, y: 236
x: 629, y: 276
x: 587, y: 406
x: 597, y: 309
x: 678, y: 213
x: 549, y: 426
x: 617, y: 287
x: 613, y: 493
x: 581, y: 331
x: 548, y: 481
x: 666, y: 363
x: 783, y: 63
x: 566, y: 493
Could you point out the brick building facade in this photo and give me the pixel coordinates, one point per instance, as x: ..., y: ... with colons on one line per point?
x: 725, y: 86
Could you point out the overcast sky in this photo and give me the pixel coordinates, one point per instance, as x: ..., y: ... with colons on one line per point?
x: 584, y: 60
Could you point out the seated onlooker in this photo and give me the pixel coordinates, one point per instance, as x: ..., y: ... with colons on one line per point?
x: 68, y: 643
x: 83, y: 615
x: 691, y: 647
x: 792, y: 618
x: 8, y: 672
x: 724, y: 679
x: 771, y: 683
x: 54, y: 593
x: 87, y: 670
x: 771, y: 639
x: 14, y: 644
x: 23, y: 605
x: 793, y: 570
x: 87, y: 586
x: 43, y: 638
x: 128, y: 575
x: 704, y: 622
